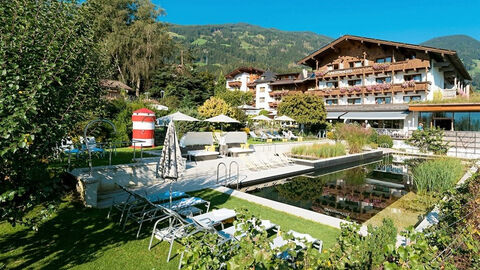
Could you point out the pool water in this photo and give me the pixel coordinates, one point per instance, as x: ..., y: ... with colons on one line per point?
x: 358, y: 192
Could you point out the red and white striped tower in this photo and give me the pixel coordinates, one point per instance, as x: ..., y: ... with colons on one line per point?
x: 143, y: 128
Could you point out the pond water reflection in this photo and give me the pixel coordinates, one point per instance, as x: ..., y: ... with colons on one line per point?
x: 359, y: 192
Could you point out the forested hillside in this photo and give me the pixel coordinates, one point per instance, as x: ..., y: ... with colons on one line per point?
x: 226, y: 46
x: 468, y: 50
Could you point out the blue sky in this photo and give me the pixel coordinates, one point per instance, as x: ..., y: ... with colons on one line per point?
x: 405, y: 21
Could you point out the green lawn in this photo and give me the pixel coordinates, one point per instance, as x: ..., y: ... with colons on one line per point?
x: 82, y: 238
x: 124, y: 155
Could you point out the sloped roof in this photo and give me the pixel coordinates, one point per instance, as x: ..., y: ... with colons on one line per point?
x: 452, y: 55
x: 269, y: 77
x: 240, y: 70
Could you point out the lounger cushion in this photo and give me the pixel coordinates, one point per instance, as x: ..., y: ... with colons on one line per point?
x: 202, y: 153
x: 196, y: 138
x: 240, y: 150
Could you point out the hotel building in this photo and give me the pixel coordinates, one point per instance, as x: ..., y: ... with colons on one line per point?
x: 375, y: 80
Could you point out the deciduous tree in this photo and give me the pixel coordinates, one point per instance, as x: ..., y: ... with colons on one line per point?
x: 49, y: 80
x: 304, y: 108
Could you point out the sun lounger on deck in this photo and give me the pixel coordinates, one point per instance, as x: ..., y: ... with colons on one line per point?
x: 234, y: 141
x: 192, y: 144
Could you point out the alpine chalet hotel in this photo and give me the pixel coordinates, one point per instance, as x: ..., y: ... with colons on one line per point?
x: 375, y: 80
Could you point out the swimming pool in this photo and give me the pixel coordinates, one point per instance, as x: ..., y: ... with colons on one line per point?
x: 358, y: 192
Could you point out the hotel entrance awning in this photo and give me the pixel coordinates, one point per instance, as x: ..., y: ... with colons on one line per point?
x: 334, y: 115
x: 400, y: 115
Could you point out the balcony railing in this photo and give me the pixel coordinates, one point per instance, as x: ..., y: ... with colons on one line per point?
x: 372, y: 89
x: 235, y: 84
x: 375, y: 68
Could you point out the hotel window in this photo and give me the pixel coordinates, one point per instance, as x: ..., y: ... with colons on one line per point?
x: 383, y: 100
x: 410, y: 56
x: 331, y: 101
x: 387, y: 59
x: 415, y: 77
x: 261, y: 100
x: 384, y: 80
x: 354, y: 82
x: 332, y: 84
x: 262, y: 89
x: 353, y: 101
x: 332, y: 67
x: 408, y: 99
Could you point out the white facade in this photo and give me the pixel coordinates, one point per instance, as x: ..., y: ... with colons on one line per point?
x: 262, y: 96
x: 244, y: 78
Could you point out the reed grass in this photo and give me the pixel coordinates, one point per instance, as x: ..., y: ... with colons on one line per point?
x: 324, y: 150
x: 437, y: 175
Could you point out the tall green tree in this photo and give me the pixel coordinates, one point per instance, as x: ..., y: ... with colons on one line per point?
x: 49, y: 81
x: 135, y: 42
x: 189, y: 85
x: 304, y: 108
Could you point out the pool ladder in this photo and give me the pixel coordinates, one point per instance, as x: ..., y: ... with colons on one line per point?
x: 226, y: 179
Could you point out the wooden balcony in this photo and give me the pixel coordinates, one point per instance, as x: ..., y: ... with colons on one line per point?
x: 365, y: 90
x: 375, y: 68
x: 235, y: 84
x: 281, y: 93
x: 273, y: 104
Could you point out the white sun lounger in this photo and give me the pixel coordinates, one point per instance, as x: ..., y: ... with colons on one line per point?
x: 202, y: 154
x: 214, y: 217
x: 300, y: 240
x: 229, y: 233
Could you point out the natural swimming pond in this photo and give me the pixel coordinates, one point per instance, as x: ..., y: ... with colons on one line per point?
x: 359, y: 191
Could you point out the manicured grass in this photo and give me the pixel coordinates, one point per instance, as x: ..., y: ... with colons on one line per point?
x: 124, y: 155
x: 82, y: 238
x: 287, y: 222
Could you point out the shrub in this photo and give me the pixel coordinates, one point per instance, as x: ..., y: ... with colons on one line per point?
x: 385, y: 141
x: 324, y: 150
x: 429, y: 140
x: 356, y: 136
x: 437, y: 175
x: 331, y: 135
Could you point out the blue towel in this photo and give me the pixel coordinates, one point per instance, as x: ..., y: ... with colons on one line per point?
x: 163, y: 196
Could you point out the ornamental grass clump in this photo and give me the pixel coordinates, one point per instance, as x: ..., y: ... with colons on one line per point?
x: 324, y: 150
x: 356, y: 136
x: 437, y: 175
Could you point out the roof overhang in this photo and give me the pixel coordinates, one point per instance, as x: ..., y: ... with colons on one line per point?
x: 452, y: 107
x: 375, y: 115
x: 334, y: 115
x: 250, y: 70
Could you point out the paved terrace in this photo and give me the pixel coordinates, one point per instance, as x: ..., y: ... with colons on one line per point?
x: 198, y: 175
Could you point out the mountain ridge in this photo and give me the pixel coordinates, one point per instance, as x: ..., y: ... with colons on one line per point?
x: 223, y: 47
